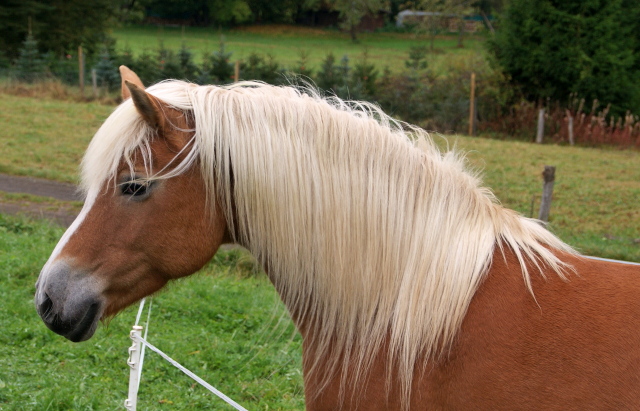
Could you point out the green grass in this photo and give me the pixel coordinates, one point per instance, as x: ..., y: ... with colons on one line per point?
x: 285, y: 43
x: 45, y: 137
x: 231, y: 331
x: 596, y: 191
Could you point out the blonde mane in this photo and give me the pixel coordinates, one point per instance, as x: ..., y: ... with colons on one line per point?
x: 370, y: 233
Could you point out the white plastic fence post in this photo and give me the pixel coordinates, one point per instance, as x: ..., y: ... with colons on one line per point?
x: 134, y: 362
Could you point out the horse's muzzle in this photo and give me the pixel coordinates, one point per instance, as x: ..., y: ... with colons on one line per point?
x: 68, y: 302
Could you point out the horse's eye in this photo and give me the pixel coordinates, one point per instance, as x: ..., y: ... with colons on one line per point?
x: 134, y: 189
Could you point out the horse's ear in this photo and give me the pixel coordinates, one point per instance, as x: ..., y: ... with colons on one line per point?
x: 148, y: 106
x: 128, y: 75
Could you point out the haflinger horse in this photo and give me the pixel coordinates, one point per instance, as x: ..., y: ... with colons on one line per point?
x: 411, y: 286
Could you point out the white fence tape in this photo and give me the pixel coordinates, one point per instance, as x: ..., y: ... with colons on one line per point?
x: 136, y: 359
x: 611, y: 261
x: 192, y: 375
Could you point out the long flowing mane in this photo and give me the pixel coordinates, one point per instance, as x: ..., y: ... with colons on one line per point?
x: 370, y: 233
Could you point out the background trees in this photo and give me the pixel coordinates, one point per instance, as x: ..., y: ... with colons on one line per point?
x: 352, y: 11
x: 59, y: 26
x: 225, y: 12
x: 551, y: 49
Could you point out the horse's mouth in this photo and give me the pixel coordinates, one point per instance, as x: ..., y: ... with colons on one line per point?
x: 77, y: 329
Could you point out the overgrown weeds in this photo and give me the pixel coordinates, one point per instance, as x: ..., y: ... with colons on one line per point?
x: 572, y: 125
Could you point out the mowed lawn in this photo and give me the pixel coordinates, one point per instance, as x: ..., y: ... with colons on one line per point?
x: 286, y: 43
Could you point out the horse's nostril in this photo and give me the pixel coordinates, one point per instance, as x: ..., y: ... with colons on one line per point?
x: 45, y: 306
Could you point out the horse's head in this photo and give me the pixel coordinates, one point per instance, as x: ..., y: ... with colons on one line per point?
x: 136, y: 231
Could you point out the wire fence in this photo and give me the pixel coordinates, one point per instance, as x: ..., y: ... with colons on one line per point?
x: 136, y: 361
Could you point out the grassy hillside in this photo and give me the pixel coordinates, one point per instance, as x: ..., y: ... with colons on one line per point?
x: 285, y: 43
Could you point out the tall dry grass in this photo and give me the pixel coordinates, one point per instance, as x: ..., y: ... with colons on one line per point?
x: 53, y: 88
x: 591, y: 127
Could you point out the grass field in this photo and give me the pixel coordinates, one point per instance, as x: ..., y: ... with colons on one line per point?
x: 596, y: 192
x: 45, y: 137
x: 233, y: 332
x: 285, y: 43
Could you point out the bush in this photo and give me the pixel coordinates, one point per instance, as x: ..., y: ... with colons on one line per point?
x: 593, y: 127
x: 415, y: 95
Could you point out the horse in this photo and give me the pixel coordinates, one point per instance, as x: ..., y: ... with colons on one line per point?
x: 412, y: 287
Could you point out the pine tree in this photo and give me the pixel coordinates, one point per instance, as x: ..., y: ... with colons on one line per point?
x: 327, y: 78
x: 344, y: 89
x: 189, y: 68
x: 106, y: 71
x: 302, y: 65
x: 417, y: 58
x: 30, y: 64
x: 126, y: 57
x: 169, y: 64
x: 365, y: 75
x: 217, y: 65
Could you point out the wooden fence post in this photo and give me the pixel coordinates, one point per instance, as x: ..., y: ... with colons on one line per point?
x: 540, y: 132
x: 94, y: 83
x: 236, y: 72
x: 549, y: 176
x: 472, y: 102
x: 570, y: 127
x: 81, y: 70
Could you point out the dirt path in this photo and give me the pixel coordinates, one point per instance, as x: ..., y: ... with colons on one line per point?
x: 56, y: 202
